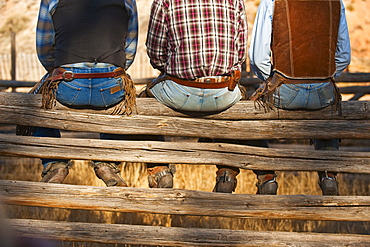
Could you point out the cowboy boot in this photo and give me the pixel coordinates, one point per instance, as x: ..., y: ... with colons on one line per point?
x: 225, y: 180
x: 328, y: 184
x: 161, y: 176
x: 266, y: 184
x: 109, y: 173
x: 55, y: 172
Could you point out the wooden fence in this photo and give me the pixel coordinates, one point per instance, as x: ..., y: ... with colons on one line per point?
x: 29, y: 71
x: 154, y: 118
x: 28, y: 67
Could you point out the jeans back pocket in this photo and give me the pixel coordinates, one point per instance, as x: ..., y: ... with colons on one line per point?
x: 112, y: 93
x: 68, y: 93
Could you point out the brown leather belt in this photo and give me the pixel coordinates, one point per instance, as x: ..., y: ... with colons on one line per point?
x: 210, y: 82
x: 60, y: 74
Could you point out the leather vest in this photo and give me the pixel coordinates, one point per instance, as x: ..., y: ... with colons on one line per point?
x: 90, y: 31
x: 304, y: 39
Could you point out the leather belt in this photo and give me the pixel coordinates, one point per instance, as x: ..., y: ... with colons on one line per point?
x: 209, y: 85
x: 210, y: 82
x: 212, y: 79
x: 60, y: 74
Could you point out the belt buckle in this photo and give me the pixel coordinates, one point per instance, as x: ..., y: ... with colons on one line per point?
x: 68, y: 76
x: 208, y: 80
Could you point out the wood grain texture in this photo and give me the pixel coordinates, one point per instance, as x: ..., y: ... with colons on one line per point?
x: 241, y: 156
x: 185, y: 202
x: 176, y: 236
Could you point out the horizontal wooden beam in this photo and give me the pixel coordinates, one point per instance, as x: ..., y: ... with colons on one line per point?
x: 353, y: 77
x: 185, y: 202
x: 174, y: 236
x: 12, y: 83
x: 189, y: 127
x: 355, y: 89
x: 244, y: 157
x: 243, y: 110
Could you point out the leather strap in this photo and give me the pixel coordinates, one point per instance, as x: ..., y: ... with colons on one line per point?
x: 60, y: 74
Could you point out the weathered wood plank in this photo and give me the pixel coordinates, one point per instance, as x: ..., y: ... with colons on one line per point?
x: 245, y: 157
x: 243, y: 110
x: 185, y: 202
x: 176, y: 236
x: 12, y: 83
x: 190, y: 127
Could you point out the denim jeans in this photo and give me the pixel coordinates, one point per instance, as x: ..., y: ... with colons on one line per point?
x: 85, y: 93
x: 90, y: 93
x: 192, y: 99
x: 313, y: 96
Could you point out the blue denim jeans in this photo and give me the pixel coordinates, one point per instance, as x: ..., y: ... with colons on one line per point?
x: 192, y: 99
x: 313, y: 96
x: 85, y: 93
x: 90, y: 93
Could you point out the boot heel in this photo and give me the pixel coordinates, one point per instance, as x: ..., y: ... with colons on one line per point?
x: 225, y: 181
x: 267, y: 184
x: 328, y: 184
x: 269, y: 188
x: 160, y: 177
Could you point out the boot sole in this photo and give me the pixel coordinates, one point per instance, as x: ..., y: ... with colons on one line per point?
x: 269, y: 189
x: 329, y: 187
x: 225, y: 187
x: 166, y: 182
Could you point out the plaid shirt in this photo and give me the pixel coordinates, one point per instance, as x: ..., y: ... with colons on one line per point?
x: 45, y: 35
x: 197, y: 38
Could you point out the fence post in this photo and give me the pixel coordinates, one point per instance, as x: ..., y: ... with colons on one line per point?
x: 13, y: 57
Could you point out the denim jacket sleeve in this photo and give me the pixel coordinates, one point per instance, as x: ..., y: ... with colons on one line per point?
x: 260, y: 52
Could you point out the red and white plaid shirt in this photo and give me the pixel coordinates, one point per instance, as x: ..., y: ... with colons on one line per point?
x: 197, y: 38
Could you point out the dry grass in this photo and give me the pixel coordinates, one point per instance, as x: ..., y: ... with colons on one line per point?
x: 190, y: 177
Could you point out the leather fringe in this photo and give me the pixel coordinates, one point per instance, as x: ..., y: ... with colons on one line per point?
x: 48, y: 89
x: 264, y: 95
x: 338, y: 99
x: 128, y: 104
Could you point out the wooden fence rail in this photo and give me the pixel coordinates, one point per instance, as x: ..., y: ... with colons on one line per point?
x: 181, y: 202
x: 177, y: 236
x: 29, y: 68
x: 185, y: 202
x: 245, y: 157
x: 242, y: 121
